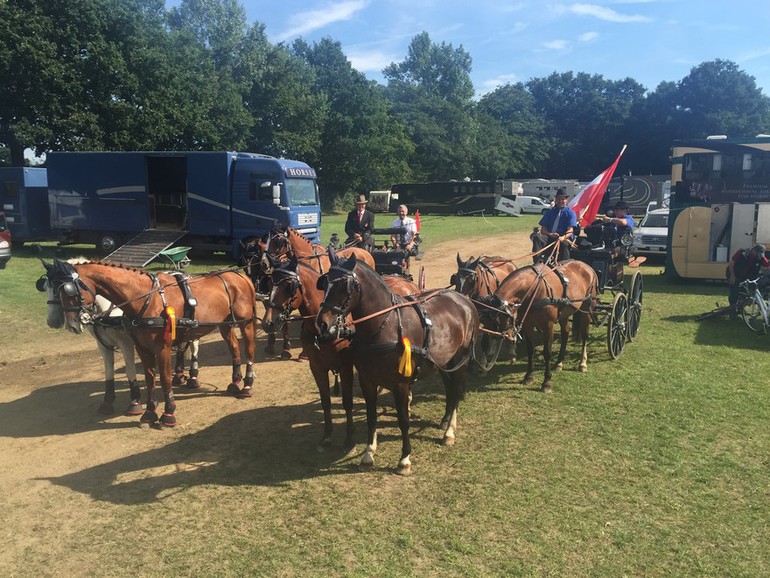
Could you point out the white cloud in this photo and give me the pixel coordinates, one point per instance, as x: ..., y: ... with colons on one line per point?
x: 492, y: 83
x: 603, y: 13
x: 588, y: 36
x: 556, y: 44
x: 371, y: 61
x: 305, y: 22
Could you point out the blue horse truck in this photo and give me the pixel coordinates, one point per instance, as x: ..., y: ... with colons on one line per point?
x: 212, y: 201
x: 24, y: 200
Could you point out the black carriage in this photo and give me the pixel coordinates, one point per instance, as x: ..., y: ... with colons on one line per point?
x: 389, y: 258
x: 607, y: 255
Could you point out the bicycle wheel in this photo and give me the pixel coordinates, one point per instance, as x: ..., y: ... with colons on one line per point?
x: 752, y: 315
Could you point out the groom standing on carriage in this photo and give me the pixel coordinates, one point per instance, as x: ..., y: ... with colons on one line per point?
x: 557, y: 223
x: 360, y: 225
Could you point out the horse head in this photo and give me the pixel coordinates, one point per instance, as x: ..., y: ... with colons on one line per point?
x: 285, y: 295
x: 341, y: 293
x: 497, y: 314
x: 69, y: 296
x: 467, y: 275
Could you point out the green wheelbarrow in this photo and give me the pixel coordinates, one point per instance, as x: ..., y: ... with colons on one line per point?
x: 177, y: 256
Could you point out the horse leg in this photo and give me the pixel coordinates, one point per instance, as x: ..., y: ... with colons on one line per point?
x: 126, y: 346
x: 249, y: 335
x: 369, y: 392
x: 270, y: 348
x: 108, y: 357
x: 286, y: 352
x: 346, y: 378
x: 547, y: 350
x: 582, y: 323
x: 193, y: 382
x: 401, y: 400
x: 564, y: 337
x: 321, y: 376
x: 148, y: 362
x: 234, y: 387
x: 529, y: 342
x: 452, y: 391
x: 168, y: 419
x: 179, y: 378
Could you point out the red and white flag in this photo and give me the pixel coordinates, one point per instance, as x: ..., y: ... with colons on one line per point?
x: 586, y: 202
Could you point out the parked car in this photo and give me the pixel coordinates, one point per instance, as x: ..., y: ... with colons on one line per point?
x: 532, y: 204
x: 5, y: 242
x: 651, y: 235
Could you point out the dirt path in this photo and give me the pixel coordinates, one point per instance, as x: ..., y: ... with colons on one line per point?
x: 51, y: 432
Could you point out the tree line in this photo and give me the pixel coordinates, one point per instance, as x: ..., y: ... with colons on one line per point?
x: 133, y: 75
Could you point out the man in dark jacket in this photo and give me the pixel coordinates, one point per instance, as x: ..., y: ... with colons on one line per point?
x: 745, y: 264
x: 360, y: 225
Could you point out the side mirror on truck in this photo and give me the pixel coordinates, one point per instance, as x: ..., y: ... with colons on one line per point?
x: 276, y: 194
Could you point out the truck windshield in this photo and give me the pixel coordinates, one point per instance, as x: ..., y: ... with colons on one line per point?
x: 302, y: 192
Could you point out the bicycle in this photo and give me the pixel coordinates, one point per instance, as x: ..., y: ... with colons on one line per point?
x: 755, y: 308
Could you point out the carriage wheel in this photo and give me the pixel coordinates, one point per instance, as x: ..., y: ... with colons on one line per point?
x: 752, y: 315
x: 616, y: 326
x: 634, y: 305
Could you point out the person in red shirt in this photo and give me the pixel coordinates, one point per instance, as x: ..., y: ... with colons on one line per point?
x: 745, y: 264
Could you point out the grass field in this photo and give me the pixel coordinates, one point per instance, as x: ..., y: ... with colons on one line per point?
x: 655, y: 464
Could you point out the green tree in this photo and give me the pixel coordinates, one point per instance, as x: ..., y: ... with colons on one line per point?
x: 431, y: 92
x: 362, y: 146
x: 585, y: 116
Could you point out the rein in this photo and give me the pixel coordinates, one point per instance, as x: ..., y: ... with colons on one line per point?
x: 425, y: 297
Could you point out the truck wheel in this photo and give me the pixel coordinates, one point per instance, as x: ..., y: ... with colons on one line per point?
x: 107, y: 243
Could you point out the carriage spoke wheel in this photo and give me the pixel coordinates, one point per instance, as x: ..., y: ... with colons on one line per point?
x: 634, y: 305
x: 616, y: 326
x: 752, y: 315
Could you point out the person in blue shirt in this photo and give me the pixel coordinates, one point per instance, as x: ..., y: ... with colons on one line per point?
x: 621, y: 219
x: 557, y: 223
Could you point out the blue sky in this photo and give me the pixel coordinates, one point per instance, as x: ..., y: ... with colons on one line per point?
x: 515, y: 40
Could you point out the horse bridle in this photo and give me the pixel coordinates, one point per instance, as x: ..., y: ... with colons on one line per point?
x: 71, y: 287
x: 280, y: 276
x: 465, y: 274
x: 351, y: 281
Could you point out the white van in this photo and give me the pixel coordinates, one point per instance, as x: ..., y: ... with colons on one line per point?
x: 533, y: 204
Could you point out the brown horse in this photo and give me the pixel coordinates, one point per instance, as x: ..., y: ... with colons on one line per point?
x: 478, y: 278
x: 285, y: 242
x: 294, y: 287
x: 155, y: 308
x: 537, y: 297
x: 395, y: 340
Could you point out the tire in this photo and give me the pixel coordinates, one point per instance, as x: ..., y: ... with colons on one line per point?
x: 108, y: 242
x: 617, y: 332
x: 634, y: 305
x: 752, y: 316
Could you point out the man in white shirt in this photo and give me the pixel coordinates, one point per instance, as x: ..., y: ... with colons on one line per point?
x: 405, y: 240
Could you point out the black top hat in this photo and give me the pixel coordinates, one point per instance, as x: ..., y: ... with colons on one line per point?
x: 561, y: 193
x: 360, y: 199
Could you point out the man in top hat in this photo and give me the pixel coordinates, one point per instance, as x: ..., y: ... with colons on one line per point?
x: 360, y: 225
x: 558, y: 223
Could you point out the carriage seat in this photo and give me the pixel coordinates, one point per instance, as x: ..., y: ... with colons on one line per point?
x: 602, y: 236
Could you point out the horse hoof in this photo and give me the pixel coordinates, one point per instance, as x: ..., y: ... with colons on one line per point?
x: 303, y: 356
x: 244, y: 393
x: 558, y: 367
x: 134, y: 408
x: 405, y: 470
x: 546, y: 388
x: 106, y: 409
x: 448, y: 440
x: 168, y: 420
x: 149, y: 417
x: 233, y: 389
x: 193, y: 383
x: 178, y: 380
x: 528, y: 380
x: 583, y: 369
x: 365, y: 467
x: 285, y: 354
x: 270, y: 350
x: 325, y: 444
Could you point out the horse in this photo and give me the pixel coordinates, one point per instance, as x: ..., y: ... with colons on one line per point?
x: 283, y: 242
x: 254, y: 265
x: 395, y: 340
x: 478, y: 278
x: 537, y: 297
x: 150, y: 302
x: 294, y: 287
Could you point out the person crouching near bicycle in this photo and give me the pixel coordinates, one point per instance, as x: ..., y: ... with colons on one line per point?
x: 745, y: 264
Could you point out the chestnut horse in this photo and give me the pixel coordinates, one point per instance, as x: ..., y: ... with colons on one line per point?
x: 395, y: 340
x: 151, y: 305
x: 478, y: 278
x: 284, y: 242
x: 294, y: 287
x: 537, y: 297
